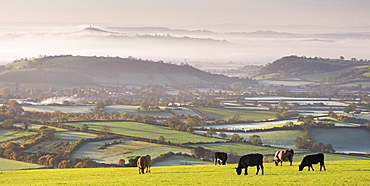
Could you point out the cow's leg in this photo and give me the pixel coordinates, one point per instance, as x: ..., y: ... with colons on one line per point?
x: 262, y: 169
x: 291, y: 161
x: 322, y: 165
x: 281, y: 163
x: 246, y: 170
x: 311, y: 167
x: 258, y: 169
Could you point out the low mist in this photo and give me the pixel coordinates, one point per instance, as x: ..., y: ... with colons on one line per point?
x: 178, y: 46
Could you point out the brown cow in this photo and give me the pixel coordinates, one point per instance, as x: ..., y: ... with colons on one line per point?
x: 121, y: 162
x: 142, y: 163
x: 283, y: 155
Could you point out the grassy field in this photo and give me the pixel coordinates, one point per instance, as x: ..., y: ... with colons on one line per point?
x: 343, y: 139
x: 337, y: 173
x: 281, y: 82
x: 132, y: 109
x: 146, y: 131
x: 125, y: 150
x: 222, y: 113
x: 71, y: 137
x: 10, y: 134
x: 7, y: 165
x: 44, y: 108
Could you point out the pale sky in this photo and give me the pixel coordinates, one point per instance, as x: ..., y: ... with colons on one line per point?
x: 189, y: 12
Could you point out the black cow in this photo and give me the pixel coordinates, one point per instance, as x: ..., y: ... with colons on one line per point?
x: 312, y: 159
x: 220, y: 157
x: 250, y: 160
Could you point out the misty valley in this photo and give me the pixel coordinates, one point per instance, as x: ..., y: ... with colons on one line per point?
x: 179, y: 95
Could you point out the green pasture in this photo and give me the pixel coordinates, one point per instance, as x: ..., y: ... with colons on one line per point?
x: 132, y: 109
x: 355, y: 172
x: 70, y: 136
x: 237, y: 148
x: 223, y: 114
x: 145, y: 79
x: 7, y: 134
x: 37, y: 126
x: 282, y: 82
x: 343, y: 139
x: 176, y: 160
x: 146, y: 131
x: 341, y: 123
x: 356, y: 84
x: 281, y: 138
x: 7, y: 165
x: 125, y: 150
x: 318, y: 76
x: 66, y: 109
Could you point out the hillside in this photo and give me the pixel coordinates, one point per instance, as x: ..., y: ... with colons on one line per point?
x: 85, y: 71
x: 303, y: 70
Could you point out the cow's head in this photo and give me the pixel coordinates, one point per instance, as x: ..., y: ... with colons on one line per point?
x: 301, y: 167
x: 276, y: 162
x: 238, y: 170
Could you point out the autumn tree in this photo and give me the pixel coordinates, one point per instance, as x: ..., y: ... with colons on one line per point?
x: 255, y: 139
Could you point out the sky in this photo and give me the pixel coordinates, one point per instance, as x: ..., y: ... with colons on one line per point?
x: 189, y: 12
x: 27, y: 28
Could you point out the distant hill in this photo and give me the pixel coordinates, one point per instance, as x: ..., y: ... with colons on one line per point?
x: 88, y: 71
x: 301, y: 65
x: 159, y: 30
x: 294, y: 70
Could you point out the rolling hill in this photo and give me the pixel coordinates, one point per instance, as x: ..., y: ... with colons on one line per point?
x: 88, y: 71
x: 315, y: 70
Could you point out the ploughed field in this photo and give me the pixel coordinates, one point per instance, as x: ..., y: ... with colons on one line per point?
x: 354, y: 172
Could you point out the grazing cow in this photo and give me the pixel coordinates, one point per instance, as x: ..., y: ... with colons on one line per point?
x: 142, y: 163
x: 250, y: 160
x: 220, y: 157
x: 283, y: 155
x: 121, y: 162
x: 312, y: 159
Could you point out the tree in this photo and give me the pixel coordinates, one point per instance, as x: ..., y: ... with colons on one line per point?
x: 236, y: 86
x: 193, y: 120
x: 211, y: 132
x: 222, y: 135
x: 236, y: 137
x: 199, y: 152
x: 47, y: 132
x: 278, y: 115
x: 349, y: 108
x: 105, y: 129
x: 161, y: 139
x: 255, y: 139
x: 26, y: 124
x: 84, y: 128
x: 8, y: 124
x: 144, y: 106
x: 5, y: 92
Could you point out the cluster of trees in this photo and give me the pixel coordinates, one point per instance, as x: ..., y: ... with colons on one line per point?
x: 308, y: 122
x: 348, y: 119
x: 177, y: 123
x: 310, y: 145
x: 306, y: 142
x: 205, y: 103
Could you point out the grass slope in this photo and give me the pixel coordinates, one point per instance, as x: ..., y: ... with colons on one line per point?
x: 147, y: 131
x: 337, y: 173
x: 7, y: 165
x: 222, y: 113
